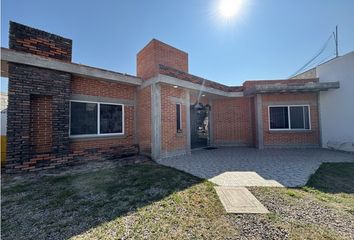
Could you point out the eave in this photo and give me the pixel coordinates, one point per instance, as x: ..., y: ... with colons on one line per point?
x: 287, y: 88
x: 12, y: 56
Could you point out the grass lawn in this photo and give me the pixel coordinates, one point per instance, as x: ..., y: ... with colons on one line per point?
x: 149, y: 201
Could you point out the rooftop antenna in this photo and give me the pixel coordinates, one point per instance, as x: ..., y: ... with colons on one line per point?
x: 336, y: 40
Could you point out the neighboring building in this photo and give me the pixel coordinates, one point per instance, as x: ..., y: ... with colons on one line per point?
x: 336, y: 106
x: 61, y: 112
x: 3, y: 110
x: 3, y: 122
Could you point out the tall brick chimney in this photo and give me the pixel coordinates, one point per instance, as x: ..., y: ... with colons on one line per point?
x: 156, y: 53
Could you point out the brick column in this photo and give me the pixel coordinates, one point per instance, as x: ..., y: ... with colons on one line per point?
x: 44, y: 127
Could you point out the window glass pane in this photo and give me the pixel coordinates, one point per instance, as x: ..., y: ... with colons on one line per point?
x: 111, y: 119
x: 278, y: 117
x: 297, y: 117
x: 307, y: 118
x: 178, y: 116
x: 83, y: 118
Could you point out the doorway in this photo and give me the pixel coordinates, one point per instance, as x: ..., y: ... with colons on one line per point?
x: 199, y: 114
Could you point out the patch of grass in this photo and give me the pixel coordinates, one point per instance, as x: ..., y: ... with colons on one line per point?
x: 300, y: 231
x: 274, y: 217
x: 333, y: 178
x: 293, y: 194
x: 140, y: 201
x: 150, y: 201
x: 333, y: 183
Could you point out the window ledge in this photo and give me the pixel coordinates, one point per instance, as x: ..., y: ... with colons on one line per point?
x: 290, y: 131
x: 180, y: 134
x: 98, y: 137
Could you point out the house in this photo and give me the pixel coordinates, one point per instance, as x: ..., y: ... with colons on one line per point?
x: 336, y: 132
x: 60, y: 112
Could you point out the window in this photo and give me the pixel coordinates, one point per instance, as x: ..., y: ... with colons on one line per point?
x: 83, y: 118
x: 111, y: 119
x: 289, y: 118
x: 91, y: 118
x: 179, y: 117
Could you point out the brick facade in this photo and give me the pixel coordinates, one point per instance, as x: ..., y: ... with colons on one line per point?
x: 291, y: 138
x: 38, y: 110
x: 171, y: 141
x: 41, y: 128
x: 102, y: 88
x: 156, y: 53
x: 232, y: 121
x: 144, y: 120
x: 26, y: 83
x: 31, y: 40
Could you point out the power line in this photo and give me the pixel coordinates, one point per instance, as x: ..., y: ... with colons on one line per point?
x: 319, y: 52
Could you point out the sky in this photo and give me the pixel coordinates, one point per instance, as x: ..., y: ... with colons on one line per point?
x: 266, y: 39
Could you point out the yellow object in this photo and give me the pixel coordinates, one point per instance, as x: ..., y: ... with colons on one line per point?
x: 3, y: 150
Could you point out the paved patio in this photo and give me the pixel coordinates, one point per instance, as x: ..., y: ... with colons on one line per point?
x: 289, y: 167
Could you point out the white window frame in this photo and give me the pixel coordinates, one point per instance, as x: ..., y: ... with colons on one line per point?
x: 180, y: 118
x: 289, y: 120
x: 98, y: 120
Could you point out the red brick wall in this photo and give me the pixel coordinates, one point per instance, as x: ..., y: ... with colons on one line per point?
x: 170, y: 139
x: 155, y: 53
x: 232, y: 121
x: 307, y: 137
x: 102, y: 88
x: 144, y: 119
x: 41, y: 130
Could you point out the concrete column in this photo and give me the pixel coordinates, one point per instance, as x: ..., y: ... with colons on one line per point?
x: 188, y: 121
x: 156, y: 121
x: 319, y: 120
x: 259, y: 121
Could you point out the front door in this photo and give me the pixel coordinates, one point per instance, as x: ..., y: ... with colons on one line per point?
x: 199, y: 125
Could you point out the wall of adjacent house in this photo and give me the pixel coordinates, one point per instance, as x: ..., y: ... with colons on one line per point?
x: 291, y: 137
x: 173, y: 142
x: 336, y: 105
x: 232, y: 121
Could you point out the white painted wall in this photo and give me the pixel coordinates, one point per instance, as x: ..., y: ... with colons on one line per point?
x: 337, y: 105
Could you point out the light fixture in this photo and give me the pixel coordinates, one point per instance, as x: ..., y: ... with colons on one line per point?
x: 175, y: 86
x: 203, y: 95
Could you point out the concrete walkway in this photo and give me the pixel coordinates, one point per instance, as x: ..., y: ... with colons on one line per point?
x: 252, y: 167
x: 239, y: 200
x: 233, y: 169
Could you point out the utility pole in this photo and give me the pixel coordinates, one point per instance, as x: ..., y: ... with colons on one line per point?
x: 336, y: 39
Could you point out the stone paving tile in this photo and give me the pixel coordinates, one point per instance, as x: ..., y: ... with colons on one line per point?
x: 289, y: 167
x: 239, y: 200
x: 243, y: 179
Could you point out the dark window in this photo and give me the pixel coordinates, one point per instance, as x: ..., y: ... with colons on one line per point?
x: 111, y: 118
x: 299, y: 117
x: 83, y: 118
x: 279, y: 117
x: 178, y: 117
